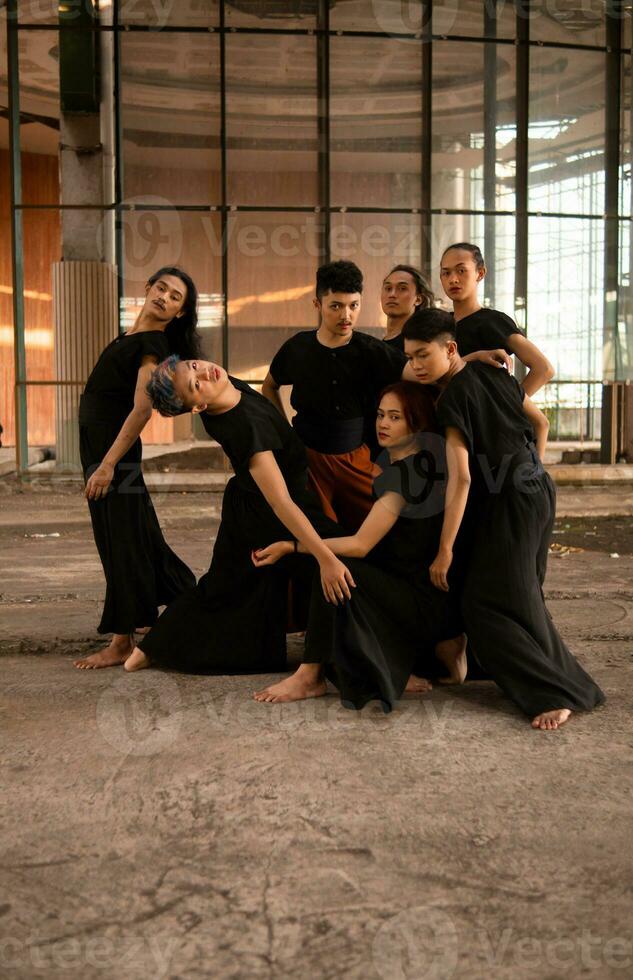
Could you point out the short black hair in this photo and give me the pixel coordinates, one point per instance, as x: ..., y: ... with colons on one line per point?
x: 474, y: 250
x: 338, y: 277
x: 428, y: 325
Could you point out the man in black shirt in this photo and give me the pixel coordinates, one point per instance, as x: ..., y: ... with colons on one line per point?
x: 336, y: 376
x: 495, y: 440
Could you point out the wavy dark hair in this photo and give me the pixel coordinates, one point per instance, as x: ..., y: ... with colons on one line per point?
x: 182, y: 332
x: 417, y: 404
x: 422, y: 287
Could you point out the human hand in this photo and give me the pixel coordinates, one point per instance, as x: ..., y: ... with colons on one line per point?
x: 497, y: 358
x: 439, y: 570
x: 336, y: 580
x: 271, y: 553
x: 99, y: 483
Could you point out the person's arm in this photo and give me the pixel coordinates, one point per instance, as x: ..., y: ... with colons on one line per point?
x: 336, y: 579
x: 408, y: 373
x: 98, y: 484
x: 457, y: 489
x: 378, y: 522
x: 540, y: 371
x: 270, y: 390
x: 497, y: 358
x: 540, y: 424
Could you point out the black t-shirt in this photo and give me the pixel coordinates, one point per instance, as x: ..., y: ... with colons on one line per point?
x: 485, y: 330
x: 486, y: 405
x: 252, y: 426
x: 411, y: 545
x: 114, y: 376
x: 396, y: 343
x: 336, y: 383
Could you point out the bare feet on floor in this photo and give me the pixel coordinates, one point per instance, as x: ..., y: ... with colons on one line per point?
x: 452, y: 653
x: 549, y: 721
x: 306, y: 682
x: 114, y: 655
x: 418, y: 685
x: 136, y: 661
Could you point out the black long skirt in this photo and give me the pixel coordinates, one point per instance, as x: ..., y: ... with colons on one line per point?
x: 234, y: 621
x: 507, y: 622
x: 141, y: 571
x: 372, y: 643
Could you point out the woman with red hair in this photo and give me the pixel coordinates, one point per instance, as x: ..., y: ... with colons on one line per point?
x: 374, y: 645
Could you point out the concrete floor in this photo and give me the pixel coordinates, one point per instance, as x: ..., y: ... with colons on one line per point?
x: 165, y: 826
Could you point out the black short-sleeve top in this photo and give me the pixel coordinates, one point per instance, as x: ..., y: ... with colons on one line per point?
x: 252, y: 426
x: 412, y: 543
x: 336, y: 383
x: 486, y: 405
x: 485, y: 330
x: 396, y: 343
x: 112, y: 382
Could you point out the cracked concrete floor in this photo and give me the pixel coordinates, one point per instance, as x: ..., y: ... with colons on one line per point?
x: 165, y: 826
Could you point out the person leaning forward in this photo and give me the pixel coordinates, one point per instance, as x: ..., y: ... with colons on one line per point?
x: 337, y: 375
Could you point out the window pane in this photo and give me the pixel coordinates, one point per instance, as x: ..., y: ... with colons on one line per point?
x: 472, y: 18
x: 38, y: 11
x: 272, y: 261
x: 568, y: 21
x: 149, y: 13
x: 565, y: 294
x: 376, y: 122
x: 375, y: 242
x: 624, y: 359
x: 625, y: 138
x: 40, y: 116
x: 388, y: 16
x: 496, y: 238
x: 190, y: 240
x: 170, y: 113
x: 298, y: 14
x: 272, y: 146
x: 42, y: 247
x: 566, y: 131
x: 463, y: 125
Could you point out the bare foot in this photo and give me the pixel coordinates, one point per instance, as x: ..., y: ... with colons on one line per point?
x: 452, y: 654
x: 136, y: 661
x: 306, y: 682
x: 418, y: 685
x: 549, y: 721
x: 112, y: 656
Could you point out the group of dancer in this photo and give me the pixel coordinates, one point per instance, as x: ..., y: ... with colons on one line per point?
x: 402, y: 521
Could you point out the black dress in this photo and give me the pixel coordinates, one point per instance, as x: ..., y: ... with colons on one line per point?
x: 234, y: 620
x: 510, y: 515
x: 141, y: 570
x: 485, y: 330
x: 389, y: 628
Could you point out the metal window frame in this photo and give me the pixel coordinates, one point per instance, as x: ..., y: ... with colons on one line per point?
x: 322, y: 31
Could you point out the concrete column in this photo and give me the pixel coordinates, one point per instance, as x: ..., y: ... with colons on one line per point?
x: 85, y: 282
x: 86, y: 320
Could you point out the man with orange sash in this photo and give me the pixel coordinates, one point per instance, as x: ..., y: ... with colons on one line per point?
x: 337, y: 375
